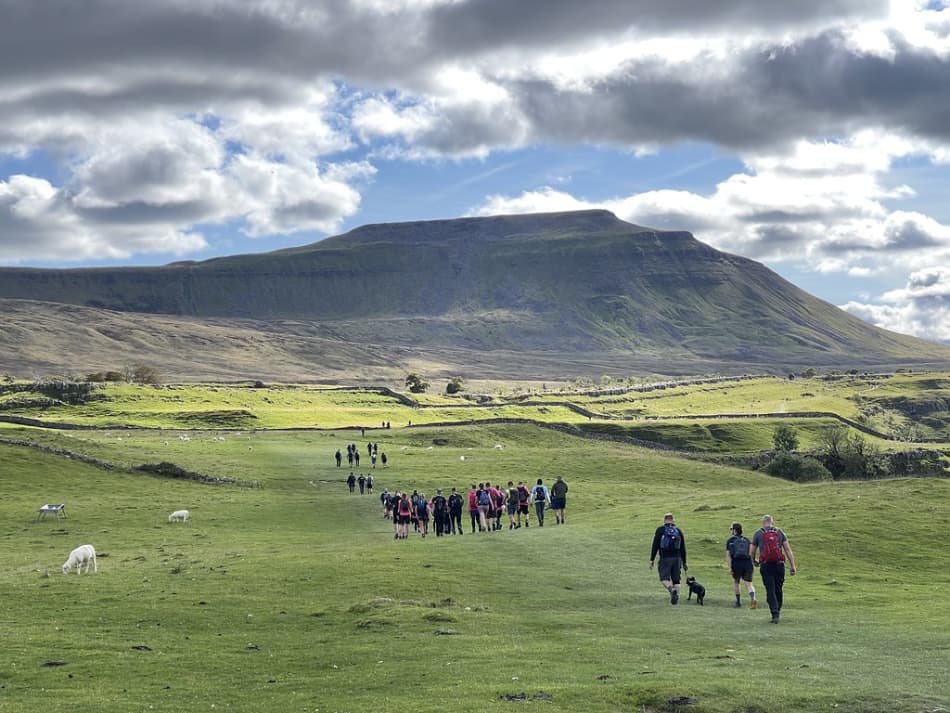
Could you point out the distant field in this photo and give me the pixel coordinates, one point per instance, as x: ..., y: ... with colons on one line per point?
x: 294, y: 597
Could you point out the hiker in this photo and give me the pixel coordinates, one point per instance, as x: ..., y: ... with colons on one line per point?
x: 372, y: 459
x: 422, y: 514
x: 356, y: 456
x: 351, y: 482
x: 456, y: 501
x: 513, y: 500
x: 382, y: 458
x: 739, y: 563
x: 523, y: 496
x: 540, y: 494
x: 772, y: 547
x: 473, y: 505
x: 559, y: 499
x: 403, y: 515
x: 369, y: 483
x: 362, y: 483
x: 349, y: 456
x: 497, y: 497
x: 339, y: 458
x: 483, y: 500
x: 669, y: 543
x: 386, y: 500
x: 440, y: 513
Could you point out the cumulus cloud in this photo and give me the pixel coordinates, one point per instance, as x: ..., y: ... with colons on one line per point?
x: 921, y: 307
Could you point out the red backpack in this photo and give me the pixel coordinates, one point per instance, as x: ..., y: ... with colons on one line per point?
x: 771, y: 546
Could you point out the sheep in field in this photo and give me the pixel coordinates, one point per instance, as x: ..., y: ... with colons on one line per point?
x: 179, y: 516
x: 84, y: 554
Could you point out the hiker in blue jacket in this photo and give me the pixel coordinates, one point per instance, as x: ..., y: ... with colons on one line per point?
x: 669, y: 543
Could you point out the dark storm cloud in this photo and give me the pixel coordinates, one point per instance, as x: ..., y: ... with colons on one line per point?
x: 818, y: 87
x: 484, y: 25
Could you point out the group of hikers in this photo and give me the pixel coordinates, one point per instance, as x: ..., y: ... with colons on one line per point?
x: 487, y: 505
x: 353, y: 456
x: 364, y: 481
x: 768, y: 549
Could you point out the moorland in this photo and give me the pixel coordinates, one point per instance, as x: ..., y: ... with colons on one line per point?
x: 285, y: 592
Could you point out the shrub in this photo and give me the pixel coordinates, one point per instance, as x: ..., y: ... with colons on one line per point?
x: 784, y: 438
x: 454, y: 386
x: 801, y: 469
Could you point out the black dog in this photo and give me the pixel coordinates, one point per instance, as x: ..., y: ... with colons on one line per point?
x: 697, y: 589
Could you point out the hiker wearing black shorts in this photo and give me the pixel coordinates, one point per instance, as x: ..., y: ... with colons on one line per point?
x: 669, y: 543
x: 559, y: 500
x: 739, y: 563
x: 770, y: 550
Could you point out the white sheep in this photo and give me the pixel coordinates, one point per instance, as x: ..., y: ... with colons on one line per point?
x: 84, y: 554
x: 179, y: 516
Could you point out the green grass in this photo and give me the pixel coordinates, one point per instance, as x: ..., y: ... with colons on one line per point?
x: 294, y: 597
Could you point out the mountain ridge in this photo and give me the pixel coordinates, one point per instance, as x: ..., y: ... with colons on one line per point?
x: 560, y: 283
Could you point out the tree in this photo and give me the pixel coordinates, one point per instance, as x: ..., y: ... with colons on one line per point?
x: 801, y: 469
x: 416, y: 384
x: 831, y: 445
x: 784, y: 438
x: 455, y: 385
x: 141, y: 374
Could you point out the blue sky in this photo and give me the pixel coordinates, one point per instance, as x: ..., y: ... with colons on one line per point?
x: 811, y: 136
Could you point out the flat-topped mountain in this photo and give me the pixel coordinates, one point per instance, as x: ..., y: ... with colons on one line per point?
x: 571, y: 284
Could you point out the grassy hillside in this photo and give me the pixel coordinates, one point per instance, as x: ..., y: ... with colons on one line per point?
x: 529, y: 294
x: 293, y: 596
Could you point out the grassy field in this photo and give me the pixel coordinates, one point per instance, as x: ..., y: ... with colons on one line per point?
x: 293, y: 596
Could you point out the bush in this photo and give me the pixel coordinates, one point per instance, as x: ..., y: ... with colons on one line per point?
x: 455, y: 385
x: 801, y: 469
x: 784, y: 438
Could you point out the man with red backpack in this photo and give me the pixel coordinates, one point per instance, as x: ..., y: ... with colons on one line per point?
x: 769, y: 551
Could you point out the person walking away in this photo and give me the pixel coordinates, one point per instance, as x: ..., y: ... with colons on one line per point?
x: 498, y: 504
x: 512, y: 504
x: 739, y: 563
x: 404, y: 514
x: 422, y: 514
x: 559, y: 500
x: 362, y: 483
x: 440, y: 513
x: 540, y: 494
x: 484, y: 505
x: 473, y: 506
x: 523, y: 496
x: 456, y: 502
x: 369, y: 483
x: 669, y: 543
x: 382, y: 459
x: 339, y: 458
x: 769, y: 551
x: 351, y: 482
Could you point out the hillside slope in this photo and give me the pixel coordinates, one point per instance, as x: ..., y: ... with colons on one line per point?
x: 564, y: 283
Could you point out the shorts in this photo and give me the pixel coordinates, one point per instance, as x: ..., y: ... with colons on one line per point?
x: 558, y: 503
x: 669, y: 569
x: 512, y: 508
x: 742, y: 569
x: 402, y: 519
x: 523, y: 508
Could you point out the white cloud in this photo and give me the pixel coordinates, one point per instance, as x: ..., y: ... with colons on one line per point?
x: 921, y: 307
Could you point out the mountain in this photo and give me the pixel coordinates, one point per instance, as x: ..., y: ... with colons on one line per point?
x: 579, y: 288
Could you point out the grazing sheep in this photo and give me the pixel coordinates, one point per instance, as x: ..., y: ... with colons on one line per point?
x: 179, y: 516
x: 84, y: 554
x: 499, y: 447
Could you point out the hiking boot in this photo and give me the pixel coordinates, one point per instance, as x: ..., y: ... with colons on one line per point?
x: 674, y: 596
x: 739, y: 605
x: 774, y: 619
x: 753, y: 604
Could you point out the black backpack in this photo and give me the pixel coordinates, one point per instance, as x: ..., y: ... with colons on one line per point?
x: 438, y: 503
x: 671, y: 539
x: 740, y: 547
